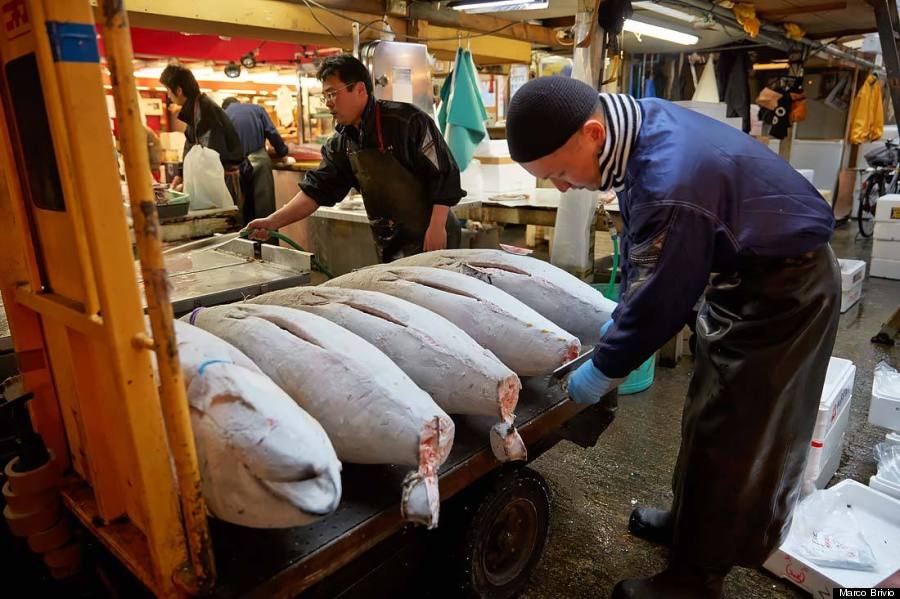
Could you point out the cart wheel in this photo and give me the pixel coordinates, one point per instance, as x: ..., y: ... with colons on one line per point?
x: 506, y: 535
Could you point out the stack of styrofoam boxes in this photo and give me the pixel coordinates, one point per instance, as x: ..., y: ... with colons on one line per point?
x: 831, y: 424
x: 714, y: 110
x: 884, y: 411
x: 852, y: 274
x: 886, y: 249
x: 500, y: 174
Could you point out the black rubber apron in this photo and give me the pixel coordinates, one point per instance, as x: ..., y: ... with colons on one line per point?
x: 764, y: 336
x: 396, y: 201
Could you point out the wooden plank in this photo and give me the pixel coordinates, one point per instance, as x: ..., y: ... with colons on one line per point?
x: 841, y: 33
x: 780, y: 13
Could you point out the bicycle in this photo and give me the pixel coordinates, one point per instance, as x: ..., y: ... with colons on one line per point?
x: 883, y: 178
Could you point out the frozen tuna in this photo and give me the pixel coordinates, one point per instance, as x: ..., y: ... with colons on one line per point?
x: 264, y: 461
x: 524, y: 340
x: 549, y: 290
x: 372, y: 411
x: 427, y: 347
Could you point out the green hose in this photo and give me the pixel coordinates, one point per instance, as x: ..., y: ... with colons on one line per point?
x: 316, y: 263
x: 611, y: 287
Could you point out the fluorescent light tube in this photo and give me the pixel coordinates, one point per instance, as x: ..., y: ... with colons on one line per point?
x: 664, y: 10
x: 663, y: 33
x: 498, y: 5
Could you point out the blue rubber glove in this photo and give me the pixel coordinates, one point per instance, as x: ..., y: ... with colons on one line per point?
x: 587, y: 384
x: 605, y: 327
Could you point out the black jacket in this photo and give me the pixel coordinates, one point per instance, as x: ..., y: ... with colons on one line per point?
x: 414, y: 140
x: 214, y: 130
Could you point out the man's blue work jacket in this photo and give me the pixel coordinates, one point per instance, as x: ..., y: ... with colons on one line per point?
x: 700, y: 197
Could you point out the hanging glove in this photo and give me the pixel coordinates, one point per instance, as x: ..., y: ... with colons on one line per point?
x: 587, y: 384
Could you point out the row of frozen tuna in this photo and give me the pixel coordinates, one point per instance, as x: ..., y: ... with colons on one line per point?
x: 365, y: 369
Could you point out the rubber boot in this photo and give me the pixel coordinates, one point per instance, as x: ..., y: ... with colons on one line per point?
x: 675, y: 582
x: 652, y: 525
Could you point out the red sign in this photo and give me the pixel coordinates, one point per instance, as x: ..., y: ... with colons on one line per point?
x: 15, y: 19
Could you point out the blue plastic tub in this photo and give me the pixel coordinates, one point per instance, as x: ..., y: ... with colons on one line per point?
x: 641, y: 378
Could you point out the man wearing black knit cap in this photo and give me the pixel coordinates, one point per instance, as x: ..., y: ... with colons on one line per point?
x: 709, y: 212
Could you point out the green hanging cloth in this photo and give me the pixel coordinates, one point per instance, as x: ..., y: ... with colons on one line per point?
x: 462, y: 115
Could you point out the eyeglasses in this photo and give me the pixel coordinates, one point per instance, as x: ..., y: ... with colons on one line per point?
x: 331, y: 94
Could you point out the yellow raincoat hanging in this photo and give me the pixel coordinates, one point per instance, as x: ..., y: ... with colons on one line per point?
x: 867, y: 116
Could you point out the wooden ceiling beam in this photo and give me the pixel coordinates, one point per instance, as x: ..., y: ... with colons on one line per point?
x: 781, y: 13
x: 841, y: 33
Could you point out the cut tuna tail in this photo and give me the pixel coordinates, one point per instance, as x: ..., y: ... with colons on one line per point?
x: 506, y: 443
x: 421, y: 499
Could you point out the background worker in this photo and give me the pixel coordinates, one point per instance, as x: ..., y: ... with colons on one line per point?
x: 254, y: 127
x: 393, y: 154
x: 708, y: 211
x: 207, y: 125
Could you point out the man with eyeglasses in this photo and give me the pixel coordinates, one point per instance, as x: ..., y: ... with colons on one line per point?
x: 393, y: 154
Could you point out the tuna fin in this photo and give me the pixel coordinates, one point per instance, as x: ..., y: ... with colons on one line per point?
x: 373, y: 312
x: 506, y: 443
x: 484, y: 266
x: 473, y: 271
x: 421, y: 501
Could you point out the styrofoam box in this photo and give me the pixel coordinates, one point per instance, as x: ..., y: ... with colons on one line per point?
x: 889, y: 250
x: 506, y: 178
x: 887, y: 208
x: 887, y: 230
x: 492, y: 147
x: 831, y: 422
x: 852, y: 272
x: 825, y: 453
x: 836, y: 395
x: 884, y: 410
x: 888, y: 487
x: 884, y: 268
x: 850, y: 297
x: 879, y: 517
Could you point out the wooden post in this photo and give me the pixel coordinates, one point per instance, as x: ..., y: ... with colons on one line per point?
x: 784, y: 147
x: 842, y: 198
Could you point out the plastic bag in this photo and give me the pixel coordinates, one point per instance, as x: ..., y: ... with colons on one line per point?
x: 827, y: 533
x: 886, y: 381
x: 204, y: 179
x: 888, y: 457
x: 572, y: 242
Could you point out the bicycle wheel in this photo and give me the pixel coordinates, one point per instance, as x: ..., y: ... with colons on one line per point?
x: 865, y: 215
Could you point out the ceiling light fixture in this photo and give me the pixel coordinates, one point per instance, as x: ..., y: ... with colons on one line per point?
x: 232, y: 70
x: 664, y: 10
x: 662, y: 33
x: 479, y: 6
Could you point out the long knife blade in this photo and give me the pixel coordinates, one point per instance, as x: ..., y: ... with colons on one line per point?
x: 568, y: 367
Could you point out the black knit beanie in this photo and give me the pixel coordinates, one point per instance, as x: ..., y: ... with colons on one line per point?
x: 545, y: 113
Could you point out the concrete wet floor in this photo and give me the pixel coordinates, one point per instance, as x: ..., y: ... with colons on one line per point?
x: 595, y: 490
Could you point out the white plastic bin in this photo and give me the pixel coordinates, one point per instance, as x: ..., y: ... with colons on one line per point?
x: 879, y: 517
x: 853, y: 272
x: 884, y: 268
x: 887, y: 209
x: 502, y: 175
x: 827, y: 444
x: 886, y: 250
x: 885, y: 486
x: 887, y: 230
x: 884, y: 410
